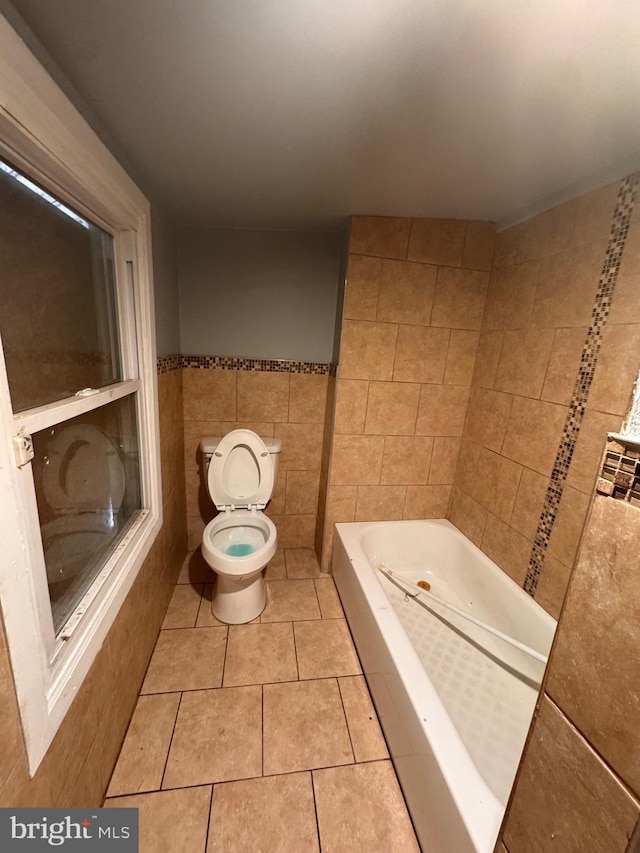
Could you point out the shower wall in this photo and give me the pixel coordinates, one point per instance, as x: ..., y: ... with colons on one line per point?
x: 533, y: 380
x: 413, y: 307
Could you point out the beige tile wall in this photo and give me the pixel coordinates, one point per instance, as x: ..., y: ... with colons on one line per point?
x: 538, y: 310
x: 78, y: 765
x: 579, y: 782
x: 290, y: 406
x: 414, y: 300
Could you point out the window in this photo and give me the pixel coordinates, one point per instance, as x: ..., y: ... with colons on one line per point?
x: 79, y: 466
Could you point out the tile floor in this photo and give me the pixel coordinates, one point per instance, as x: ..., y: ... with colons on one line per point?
x: 259, y: 737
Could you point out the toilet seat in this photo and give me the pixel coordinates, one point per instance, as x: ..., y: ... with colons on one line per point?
x: 240, y: 472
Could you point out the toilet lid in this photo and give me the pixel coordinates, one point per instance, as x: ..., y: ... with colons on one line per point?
x: 240, y: 472
x: 83, y: 471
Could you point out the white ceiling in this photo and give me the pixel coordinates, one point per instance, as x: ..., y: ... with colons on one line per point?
x: 298, y: 113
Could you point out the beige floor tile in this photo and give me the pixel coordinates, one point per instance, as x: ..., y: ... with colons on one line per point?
x: 195, y: 570
x: 328, y: 598
x: 217, y: 737
x: 325, y: 648
x: 276, y: 568
x: 186, y: 659
x: 206, y: 619
x: 258, y: 654
x: 268, y: 815
x: 174, y: 821
x: 360, y: 808
x: 301, y: 563
x: 366, y: 736
x: 144, y: 751
x: 184, y: 605
x: 289, y: 600
x: 304, y: 727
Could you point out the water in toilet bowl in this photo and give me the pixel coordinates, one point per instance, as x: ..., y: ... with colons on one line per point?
x: 239, y: 540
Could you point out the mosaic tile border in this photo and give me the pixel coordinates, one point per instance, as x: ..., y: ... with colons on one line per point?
x: 589, y: 359
x: 167, y: 363
x: 256, y: 365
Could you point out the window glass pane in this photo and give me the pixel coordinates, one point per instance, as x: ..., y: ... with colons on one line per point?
x: 87, y: 478
x: 58, y: 319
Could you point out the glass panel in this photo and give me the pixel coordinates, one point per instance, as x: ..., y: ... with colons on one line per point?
x: 58, y: 320
x: 87, y: 478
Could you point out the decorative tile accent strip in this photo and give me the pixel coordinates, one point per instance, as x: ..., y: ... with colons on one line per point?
x: 261, y: 365
x: 620, y: 473
x: 590, y: 352
x: 167, y: 363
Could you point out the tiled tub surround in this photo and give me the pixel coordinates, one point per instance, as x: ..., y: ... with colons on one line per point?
x: 542, y: 301
x: 414, y: 300
x: 579, y: 783
x: 588, y: 362
x: 77, y: 767
x: 259, y: 736
x: 273, y: 398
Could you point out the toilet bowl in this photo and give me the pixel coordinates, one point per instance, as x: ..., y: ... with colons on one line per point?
x: 240, y: 541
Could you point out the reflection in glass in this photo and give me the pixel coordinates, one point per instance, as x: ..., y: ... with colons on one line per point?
x: 58, y: 319
x: 87, y: 478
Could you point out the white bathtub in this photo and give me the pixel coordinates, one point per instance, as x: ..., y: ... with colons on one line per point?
x: 455, y: 705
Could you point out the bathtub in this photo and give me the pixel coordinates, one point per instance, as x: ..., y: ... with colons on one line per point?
x: 454, y: 701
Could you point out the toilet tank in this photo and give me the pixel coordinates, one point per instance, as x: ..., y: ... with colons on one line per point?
x: 273, y: 445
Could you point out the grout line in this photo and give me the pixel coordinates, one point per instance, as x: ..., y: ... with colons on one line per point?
x: 173, y: 731
x: 315, y: 809
x: 295, y: 651
x: 206, y: 839
x: 582, y: 736
x: 162, y: 790
x: 262, y: 730
x: 224, y: 659
x: 346, y: 718
x: 315, y: 592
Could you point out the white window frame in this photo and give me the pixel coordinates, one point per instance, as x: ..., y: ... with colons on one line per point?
x: 42, y: 134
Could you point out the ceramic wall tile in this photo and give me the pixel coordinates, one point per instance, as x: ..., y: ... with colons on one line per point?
x: 361, y: 288
x: 591, y: 676
x: 580, y: 802
x: 459, y: 298
x: 421, y: 354
x: 442, y: 410
x: 437, y: 241
x: 479, y: 246
x: 406, y: 292
x: 381, y: 236
x: 367, y: 350
x: 406, y: 459
x: 392, y: 408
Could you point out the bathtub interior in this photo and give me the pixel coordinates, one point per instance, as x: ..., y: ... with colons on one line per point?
x: 461, y: 574
x: 490, y: 704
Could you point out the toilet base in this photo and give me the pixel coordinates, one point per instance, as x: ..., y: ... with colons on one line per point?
x: 236, y: 601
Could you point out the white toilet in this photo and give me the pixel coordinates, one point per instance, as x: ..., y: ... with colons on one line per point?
x: 240, y: 471
x: 83, y: 482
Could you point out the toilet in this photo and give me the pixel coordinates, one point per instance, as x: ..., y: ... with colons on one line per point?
x: 240, y: 471
x: 83, y: 482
